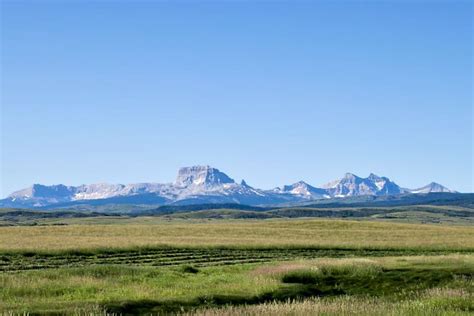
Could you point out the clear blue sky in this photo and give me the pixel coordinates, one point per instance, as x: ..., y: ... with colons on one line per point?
x: 272, y: 92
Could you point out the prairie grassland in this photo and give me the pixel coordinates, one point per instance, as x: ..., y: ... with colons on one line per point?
x: 436, y: 302
x: 398, y: 285
x: 238, y: 267
x: 249, y: 233
x: 97, y: 288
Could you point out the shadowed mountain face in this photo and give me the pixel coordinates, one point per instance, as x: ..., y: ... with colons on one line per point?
x: 204, y: 184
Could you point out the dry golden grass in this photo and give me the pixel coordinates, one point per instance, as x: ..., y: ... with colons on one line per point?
x: 308, y: 232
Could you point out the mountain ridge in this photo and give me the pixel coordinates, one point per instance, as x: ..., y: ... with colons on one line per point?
x: 205, y: 184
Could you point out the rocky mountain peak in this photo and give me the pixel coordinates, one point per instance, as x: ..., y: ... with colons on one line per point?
x: 301, y: 183
x: 350, y: 176
x: 201, y: 176
x: 432, y: 187
x: 374, y: 177
x: 244, y: 184
x: 302, y: 188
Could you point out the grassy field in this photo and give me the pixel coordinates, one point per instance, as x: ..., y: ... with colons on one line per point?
x: 148, y: 232
x: 419, y: 283
x: 234, y: 267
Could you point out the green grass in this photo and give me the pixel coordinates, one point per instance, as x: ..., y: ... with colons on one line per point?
x: 132, y: 290
x: 436, y: 302
x: 68, y: 289
x: 374, y: 280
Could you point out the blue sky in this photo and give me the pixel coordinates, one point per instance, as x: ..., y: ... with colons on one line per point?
x: 272, y: 92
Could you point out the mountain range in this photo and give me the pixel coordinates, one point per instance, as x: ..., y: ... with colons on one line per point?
x: 204, y: 184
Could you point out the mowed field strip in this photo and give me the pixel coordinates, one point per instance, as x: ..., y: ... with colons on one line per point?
x: 228, y: 233
x: 199, y: 257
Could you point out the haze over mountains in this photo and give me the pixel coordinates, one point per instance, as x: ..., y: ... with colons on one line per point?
x: 204, y: 184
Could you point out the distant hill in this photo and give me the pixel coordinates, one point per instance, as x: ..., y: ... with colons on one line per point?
x: 455, y: 199
x: 425, y: 208
x: 170, y: 209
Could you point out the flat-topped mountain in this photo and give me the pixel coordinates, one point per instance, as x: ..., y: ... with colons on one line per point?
x: 205, y: 184
x: 201, y: 176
